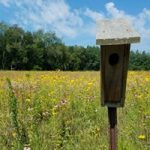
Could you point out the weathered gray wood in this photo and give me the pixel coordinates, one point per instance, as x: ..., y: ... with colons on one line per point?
x: 114, y: 74
x: 116, y: 31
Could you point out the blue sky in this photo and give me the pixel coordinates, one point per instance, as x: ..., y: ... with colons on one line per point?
x: 74, y: 20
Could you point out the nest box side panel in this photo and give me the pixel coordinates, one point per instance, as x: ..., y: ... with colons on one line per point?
x: 114, y: 66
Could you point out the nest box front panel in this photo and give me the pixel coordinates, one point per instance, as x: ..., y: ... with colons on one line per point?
x: 114, y: 65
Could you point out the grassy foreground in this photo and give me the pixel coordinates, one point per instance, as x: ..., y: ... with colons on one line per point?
x: 61, y: 110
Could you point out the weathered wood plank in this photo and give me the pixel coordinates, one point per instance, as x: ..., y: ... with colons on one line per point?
x: 115, y: 31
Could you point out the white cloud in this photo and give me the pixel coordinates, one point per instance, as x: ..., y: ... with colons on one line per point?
x: 141, y: 22
x: 113, y: 11
x: 93, y: 14
x: 58, y: 16
x: 6, y: 3
x: 55, y: 15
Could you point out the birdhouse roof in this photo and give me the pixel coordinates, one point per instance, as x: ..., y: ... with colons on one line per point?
x: 115, y: 31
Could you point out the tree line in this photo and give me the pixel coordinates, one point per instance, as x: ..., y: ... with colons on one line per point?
x: 24, y: 50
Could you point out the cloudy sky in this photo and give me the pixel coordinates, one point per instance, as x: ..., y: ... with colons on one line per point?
x: 74, y: 20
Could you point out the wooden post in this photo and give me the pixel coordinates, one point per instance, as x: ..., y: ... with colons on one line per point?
x: 115, y: 37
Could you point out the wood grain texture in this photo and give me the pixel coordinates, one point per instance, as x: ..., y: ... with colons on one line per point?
x: 113, y: 76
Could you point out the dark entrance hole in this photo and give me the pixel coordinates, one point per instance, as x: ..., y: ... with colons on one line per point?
x: 113, y: 59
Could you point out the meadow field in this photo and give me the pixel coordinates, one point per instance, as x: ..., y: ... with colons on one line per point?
x: 61, y: 111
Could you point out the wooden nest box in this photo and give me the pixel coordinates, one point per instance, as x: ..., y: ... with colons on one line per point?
x: 115, y: 37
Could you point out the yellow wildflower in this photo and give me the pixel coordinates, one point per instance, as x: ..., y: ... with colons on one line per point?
x: 147, y: 79
x: 14, y: 134
x: 141, y: 137
x: 72, y: 81
x: 28, y: 100
x: 140, y: 96
x: 90, y: 83
x: 54, y: 111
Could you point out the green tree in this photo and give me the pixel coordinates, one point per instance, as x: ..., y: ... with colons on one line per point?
x: 15, y: 53
x: 3, y: 29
